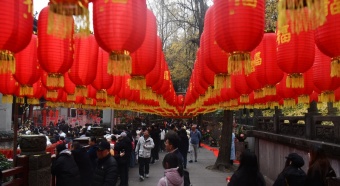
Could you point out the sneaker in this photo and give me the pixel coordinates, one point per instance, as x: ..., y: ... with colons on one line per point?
x: 195, y: 160
x: 190, y: 161
x: 141, y: 178
x: 146, y: 175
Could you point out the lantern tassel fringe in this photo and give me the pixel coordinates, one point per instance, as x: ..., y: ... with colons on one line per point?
x: 270, y: 91
x: 101, y: 95
x: 119, y: 63
x: 258, y: 93
x: 303, y: 99
x: 33, y: 101
x: 55, y: 80
x: 289, y: 103
x: 244, y: 99
x: 71, y: 97
x: 81, y: 91
x: 237, y: 61
x: 222, y: 81
x: 335, y: 67
x: 60, y: 21
x: 7, y: 62
x: 26, y: 90
x: 327, y: 96
x: 137, y: 83
x: 52, y: 94
x: 294, y: 11
x: 295, y: 81
x: 7, y: 99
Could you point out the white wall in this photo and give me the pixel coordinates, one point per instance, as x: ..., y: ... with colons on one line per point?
x: 5, y: 116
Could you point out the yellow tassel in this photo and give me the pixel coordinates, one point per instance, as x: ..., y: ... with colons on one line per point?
x: 110, y: 100
x: 26, y: 90
x: 7, y: 99
x: 294, y: 12
x: 88, y: 101
x: 137, y: 83
x: 335, y: 67
x: 60, y: 21
x: 270, y: 90
x: 272, y: 104
x: 295, y: 80
x: 222, y: 81
x: 81, y: 90
x: 55, y: 80
x: 239, y: 62
x: 303, y: 99
x: 71, y: 97
x: 244, y: 98
x: 20, y: 100
x: 101, y: 94
x: 119, y: 63
x: 52, y: 94
x: 258, y: 93
x: 233, y: 102
x: 33, y: 101
x: 327, y: 96
x: 289, y: 102
x: 7, y: 62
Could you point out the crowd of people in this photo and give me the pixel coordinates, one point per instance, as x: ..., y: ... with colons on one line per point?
x: 107, y: 161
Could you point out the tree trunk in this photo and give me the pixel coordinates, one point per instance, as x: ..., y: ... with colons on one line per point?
x: 223, y: 159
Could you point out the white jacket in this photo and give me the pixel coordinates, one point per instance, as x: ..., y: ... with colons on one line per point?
x: 144, y: 147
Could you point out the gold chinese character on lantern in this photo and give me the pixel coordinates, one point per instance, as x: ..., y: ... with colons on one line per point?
x: 335, y: 7
x: 283, y: 36
x: 251, y: 3
x: 257, y: 59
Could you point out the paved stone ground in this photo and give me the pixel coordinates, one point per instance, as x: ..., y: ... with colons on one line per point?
x: 199, y: 175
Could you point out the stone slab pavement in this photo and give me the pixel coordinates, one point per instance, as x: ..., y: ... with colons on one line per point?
x: 199, y: 175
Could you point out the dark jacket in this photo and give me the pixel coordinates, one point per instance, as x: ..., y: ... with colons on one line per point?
x: 106, y: 172
x: 85, y: 166
x: 125, y: 145
x: 66, y: 170
x: 292, y: 176
x: 241, y: 179
x: 184, y: 145
x: 314, y: 177
x: 92, y: 152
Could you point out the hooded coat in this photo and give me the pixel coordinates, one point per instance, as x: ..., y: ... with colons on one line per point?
x: 172, y: 177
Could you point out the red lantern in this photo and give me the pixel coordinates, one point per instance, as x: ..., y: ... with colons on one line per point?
x: 16, y: 29
x: 69, y: 88
x: 295, y: 54
x: 327, y: 36
x: 144, y: 59
x: 119, y: 28
x: 62, y: 11
x: 84, y: 67
x: 55, y: 54
x: 239, y: 29
x: 267, y: 71
x: 215, y: 58
x: 240, y: 84
x: 38, y: 92
x: 103, y: 80
x: 303, y: 93
x: 322, y: 81
x: 8, y: 87
x: 286, y: 93
x: 27, y: 69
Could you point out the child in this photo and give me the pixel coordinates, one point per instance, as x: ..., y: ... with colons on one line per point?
x: 173, y: 175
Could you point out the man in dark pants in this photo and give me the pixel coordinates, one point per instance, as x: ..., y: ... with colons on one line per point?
x: 155, y: 135
x: 124, y: 148
x: 143, y: 149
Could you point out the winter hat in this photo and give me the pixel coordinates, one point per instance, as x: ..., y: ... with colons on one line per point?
x: 104, y: 145
x: 296, y: 159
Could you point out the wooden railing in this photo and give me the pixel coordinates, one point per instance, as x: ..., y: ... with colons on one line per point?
x: 19, y: 174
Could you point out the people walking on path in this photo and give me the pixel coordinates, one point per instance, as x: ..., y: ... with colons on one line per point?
x: 83, y: 162
x: 319, y: 168
x: 292, y: 174
x: 184, y: 146
x: 143, y: 149
x: 195, y: 137
x: 173, y: 175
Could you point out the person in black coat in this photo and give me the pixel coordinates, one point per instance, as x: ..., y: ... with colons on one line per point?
x: 65, y: 168
x: 292, y: 174
x: 124, y: 149
x: 84, y: 164
x: 92, y: 152
x: 184, y: 146
x: 248, y: 173
x: 155, y: 135
x: 106, y: 171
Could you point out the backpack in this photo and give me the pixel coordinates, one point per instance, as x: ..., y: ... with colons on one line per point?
x: 186, y: 178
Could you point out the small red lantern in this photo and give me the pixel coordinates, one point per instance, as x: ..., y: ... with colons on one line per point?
x: 239, y: 29
x: 84, y: 67
x: 27, y: 69
x: 119, y: 28
x: 16, y: 29
x: 55, y: 54
x: 8, y: 87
